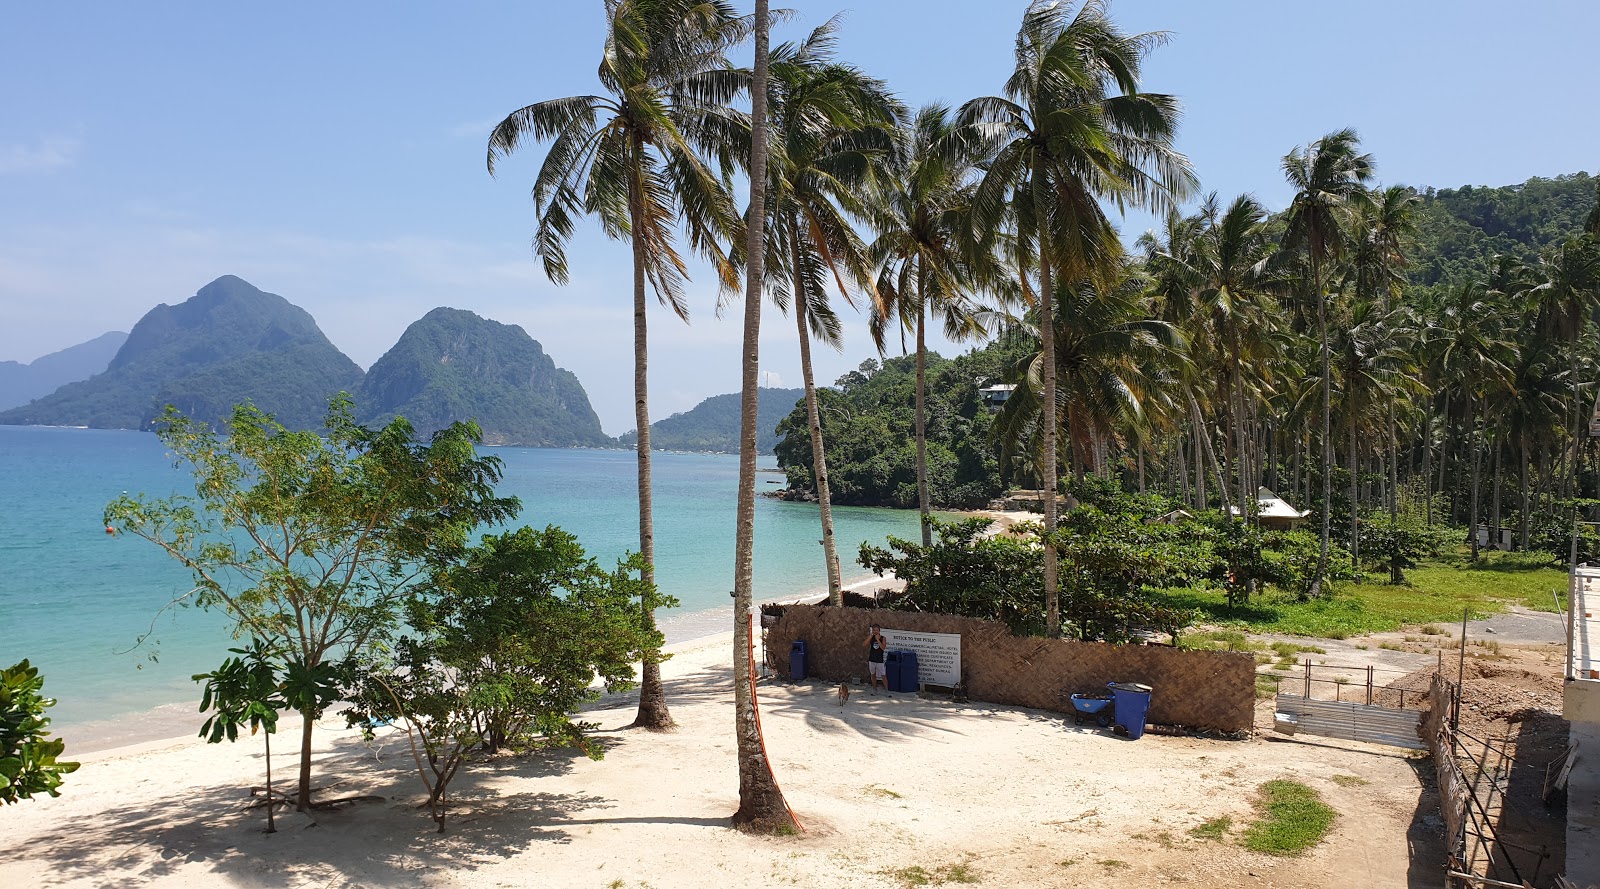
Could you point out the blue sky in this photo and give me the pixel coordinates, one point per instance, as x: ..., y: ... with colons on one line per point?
x: 334, y: 153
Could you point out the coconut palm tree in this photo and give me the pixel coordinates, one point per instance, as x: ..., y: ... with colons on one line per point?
x: 1072, y: 128
x: 1329, y: 178
x: 1475, y: 355
x: 761, y: 804
x: 637, y: 160
x: 1112, y: 359
x: 832, y: 128
x: 925, y: 262
x: 1381, y: 232
x: 1562, y: 295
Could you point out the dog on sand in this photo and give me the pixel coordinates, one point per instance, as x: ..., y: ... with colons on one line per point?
x: 844, y: 693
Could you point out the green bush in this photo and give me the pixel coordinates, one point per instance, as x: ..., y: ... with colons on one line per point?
x: 29, y: 757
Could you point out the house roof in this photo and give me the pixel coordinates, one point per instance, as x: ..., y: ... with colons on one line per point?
x: 1271, y: 506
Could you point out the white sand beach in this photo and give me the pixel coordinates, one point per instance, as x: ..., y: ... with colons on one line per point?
x: 884, y: 784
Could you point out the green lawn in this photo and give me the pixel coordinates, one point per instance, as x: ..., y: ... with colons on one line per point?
x: 1435, y: 593
x: 1293, y: 819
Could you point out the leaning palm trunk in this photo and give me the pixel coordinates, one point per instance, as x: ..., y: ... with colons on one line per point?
x: 761, y: 803
x: 819, y: 460
x: 653, y: 713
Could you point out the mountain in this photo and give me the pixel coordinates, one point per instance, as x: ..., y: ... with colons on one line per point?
x: 22, y: 383
x: 453, y: 365
x: 228, y: 343
x: 713, y: 424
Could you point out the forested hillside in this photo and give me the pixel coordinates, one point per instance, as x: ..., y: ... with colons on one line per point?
x: 228, y: 343
x: 452, y: 365
x: 1461, y: 230
x: 868, y: 424
x: 713, y: 424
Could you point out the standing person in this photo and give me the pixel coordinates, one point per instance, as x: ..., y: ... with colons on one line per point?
x: 876, y: 646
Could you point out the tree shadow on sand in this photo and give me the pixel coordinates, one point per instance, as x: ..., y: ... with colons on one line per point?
x: 390, y: 842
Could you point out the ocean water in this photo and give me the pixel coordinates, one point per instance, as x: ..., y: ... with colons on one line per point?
x: 76, y: 601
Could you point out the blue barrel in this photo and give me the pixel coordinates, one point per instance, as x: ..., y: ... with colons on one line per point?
x: 797, y: 659
x: 1132, y: 703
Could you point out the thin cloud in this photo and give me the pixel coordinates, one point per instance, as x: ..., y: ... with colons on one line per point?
x: 50, y: 153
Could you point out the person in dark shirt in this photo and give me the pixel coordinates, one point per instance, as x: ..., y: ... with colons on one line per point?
x: 876, y: 646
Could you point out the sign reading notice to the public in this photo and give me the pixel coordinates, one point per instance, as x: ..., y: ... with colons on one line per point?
x: 938, y: 655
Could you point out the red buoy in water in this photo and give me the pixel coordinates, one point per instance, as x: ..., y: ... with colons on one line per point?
x: 110, y: 530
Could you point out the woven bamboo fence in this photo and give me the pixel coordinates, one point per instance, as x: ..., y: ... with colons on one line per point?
x: 1210, y: 690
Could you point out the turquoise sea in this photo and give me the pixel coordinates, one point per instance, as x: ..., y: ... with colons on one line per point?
x: 75, y: 601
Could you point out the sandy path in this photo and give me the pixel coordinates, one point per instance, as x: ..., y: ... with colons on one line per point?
x: 884, y: 783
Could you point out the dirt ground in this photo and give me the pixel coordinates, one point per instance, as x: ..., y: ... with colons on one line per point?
x: 893, y: 790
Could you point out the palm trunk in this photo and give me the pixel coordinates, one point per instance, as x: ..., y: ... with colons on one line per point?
x: 1205, y: 440
x: 1355, y: 504
x: 921, y: 407
x: 1327, y: 429
x: 1496, y: 473
x: 1047, y: 411
x: 761, y: 803
x: 1525, y: 500
x: 819, y: 460
x: 653, y: 713
x: 1396, y: 575
x: 1473, y: 449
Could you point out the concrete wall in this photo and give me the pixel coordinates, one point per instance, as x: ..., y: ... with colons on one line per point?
x: 1211, y: 690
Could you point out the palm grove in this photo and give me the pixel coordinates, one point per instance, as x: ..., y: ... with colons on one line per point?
x: 1231, y: 349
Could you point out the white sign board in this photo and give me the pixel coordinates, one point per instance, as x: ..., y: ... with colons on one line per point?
x: 938, y: 655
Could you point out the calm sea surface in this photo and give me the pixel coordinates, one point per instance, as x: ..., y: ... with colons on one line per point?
x: 75, y: 600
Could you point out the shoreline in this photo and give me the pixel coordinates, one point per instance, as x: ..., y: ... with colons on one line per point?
x: 158, y: 728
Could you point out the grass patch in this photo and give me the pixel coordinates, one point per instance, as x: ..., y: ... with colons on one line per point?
x: 1215, y: 829
x: 917, y: 875
x: 1267, y: 685
x: 1293, y: 819
x: 883, y: 791
x: 1350, y: 781
x: 1219, y: 640
x: 1434, y: 594
x: 1113, y: 864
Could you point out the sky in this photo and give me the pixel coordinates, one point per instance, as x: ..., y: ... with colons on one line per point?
x: 334, y: 153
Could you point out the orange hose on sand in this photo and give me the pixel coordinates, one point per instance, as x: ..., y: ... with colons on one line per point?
x: 755, y: 705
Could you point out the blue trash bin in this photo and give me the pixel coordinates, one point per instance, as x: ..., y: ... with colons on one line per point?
x: 894, y: 668
x: 909, y: 679
x: 797, y: 660
x: 1131, y: 702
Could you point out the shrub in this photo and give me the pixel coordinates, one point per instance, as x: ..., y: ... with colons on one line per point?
x: 29, y: 757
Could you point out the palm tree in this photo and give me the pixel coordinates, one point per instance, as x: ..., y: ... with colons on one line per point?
x: 1072, y: 128
x: 761, y: 803
x: 1475, y: 356
x: 1329, y: 177
x: 1563, y: 294
x: 1112, y: 359
x: 636, y: 159
x: 1376, y: 369
x: 924, y: 261
x: 831, y: 127
x: 1386, y: 222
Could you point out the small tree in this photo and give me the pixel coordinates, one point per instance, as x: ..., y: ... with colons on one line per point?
x: 28, y: 755
x: 509, y: 643
x: 312, y: 538
x: 245, y: 690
